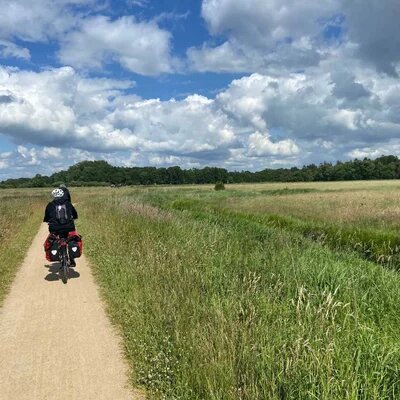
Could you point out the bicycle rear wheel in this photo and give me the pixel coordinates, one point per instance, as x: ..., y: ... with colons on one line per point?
x: 64, y: 266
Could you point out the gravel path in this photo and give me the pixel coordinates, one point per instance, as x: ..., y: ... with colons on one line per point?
x: 55, y: 339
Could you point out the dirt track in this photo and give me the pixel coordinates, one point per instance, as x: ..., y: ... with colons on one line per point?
x: 55, y: 339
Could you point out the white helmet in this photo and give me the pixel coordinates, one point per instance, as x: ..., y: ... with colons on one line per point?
x: 57, y: 193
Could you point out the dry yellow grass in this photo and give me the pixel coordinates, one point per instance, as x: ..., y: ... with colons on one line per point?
x: 341, y: 185
x: 361, y: 203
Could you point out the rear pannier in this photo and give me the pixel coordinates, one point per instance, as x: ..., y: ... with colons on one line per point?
x: 51, y: 249
x: 74, y: 244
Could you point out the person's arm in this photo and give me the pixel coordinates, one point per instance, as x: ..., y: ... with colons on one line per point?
x: 46, y: 214
x: 74, y: 212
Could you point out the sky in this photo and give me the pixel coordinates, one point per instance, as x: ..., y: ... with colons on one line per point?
x: 239, y: 84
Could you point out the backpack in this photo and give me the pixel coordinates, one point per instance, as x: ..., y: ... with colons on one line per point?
x: 62, y: 215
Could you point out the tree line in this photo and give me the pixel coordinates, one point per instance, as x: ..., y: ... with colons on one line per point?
x: 101, y: 173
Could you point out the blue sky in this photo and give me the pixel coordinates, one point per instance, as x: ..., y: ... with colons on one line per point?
x: 240, y: 84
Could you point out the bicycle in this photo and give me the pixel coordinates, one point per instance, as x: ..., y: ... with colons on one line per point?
x: 64, y: 247
x: 65, y: 261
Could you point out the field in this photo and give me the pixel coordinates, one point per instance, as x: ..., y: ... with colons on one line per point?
x: 267, y: 291
x: 20, y: 215
x: 283, y: 291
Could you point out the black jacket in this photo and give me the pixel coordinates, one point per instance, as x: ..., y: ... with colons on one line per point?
x: 50, y: 216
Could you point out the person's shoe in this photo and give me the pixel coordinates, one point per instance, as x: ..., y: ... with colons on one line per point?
x: 73, y: 264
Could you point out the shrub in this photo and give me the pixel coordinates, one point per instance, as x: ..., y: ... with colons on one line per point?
x: 219, y: 186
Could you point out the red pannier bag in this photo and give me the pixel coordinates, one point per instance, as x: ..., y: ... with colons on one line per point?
x: 75, y: 245
x: 51, y: 248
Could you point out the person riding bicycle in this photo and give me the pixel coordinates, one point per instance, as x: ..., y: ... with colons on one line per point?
x: 60, y: 215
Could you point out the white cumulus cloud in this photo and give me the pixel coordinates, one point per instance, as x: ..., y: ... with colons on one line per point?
x: 261, y: 145
x: 140, y: 47
x: 39, y: 20
x: 261, y: 35
x: 288, y: 35
x: 257, y: 121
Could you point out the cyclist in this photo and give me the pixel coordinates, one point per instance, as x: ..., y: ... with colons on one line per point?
x: 60, y: 215
x: 66, y: 191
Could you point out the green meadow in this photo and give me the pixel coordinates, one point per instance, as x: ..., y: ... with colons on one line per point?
x: 264, y: 291
x: 274, y: 291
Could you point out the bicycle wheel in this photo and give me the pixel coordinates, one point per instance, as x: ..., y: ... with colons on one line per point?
x: 65, y: 266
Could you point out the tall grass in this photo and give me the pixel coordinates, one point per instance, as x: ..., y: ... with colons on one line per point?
x: 353, y: 229
x: 213, y: 307
x: 20, y: 215
x: 377, y: 245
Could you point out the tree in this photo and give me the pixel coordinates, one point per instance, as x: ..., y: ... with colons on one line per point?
x: 102, y: 173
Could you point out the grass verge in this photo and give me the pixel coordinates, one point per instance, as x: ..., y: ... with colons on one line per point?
x: 212, y: 307
x: 19, y: 221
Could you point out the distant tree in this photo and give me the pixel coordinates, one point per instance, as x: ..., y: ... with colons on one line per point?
x: 102, y: 173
